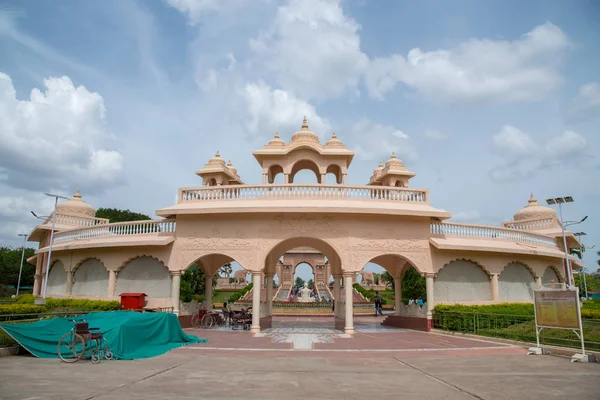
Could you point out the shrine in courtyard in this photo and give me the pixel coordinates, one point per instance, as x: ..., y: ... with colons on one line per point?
x: 268, y: 229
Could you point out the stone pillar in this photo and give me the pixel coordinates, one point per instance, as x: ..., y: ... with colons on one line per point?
x: 269, y: 310
x: 112, y: 283
x: 264, y: 179
x: 538, y: 282
x: 175, y: 286
x: 430, y: 298
x: 208, y: 290
x: 322, y: 179
x: 349, y: 326
x: 37, y: 282
x: 494, y: 285
x: 256, y: 284
x: 397, y: 293
x: 344, y: 178
x: 336, y: 294
x: 287, y: 178
x: 69, y: 289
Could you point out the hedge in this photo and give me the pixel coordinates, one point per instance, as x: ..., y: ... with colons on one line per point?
x: 11, y: 309
x: 237, y: 295
x: 525, y: 309
x: 25, y: 305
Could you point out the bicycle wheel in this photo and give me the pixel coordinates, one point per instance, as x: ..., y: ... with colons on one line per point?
x: 71, y: 347
x: 196, y: 321
x: 207, y: 321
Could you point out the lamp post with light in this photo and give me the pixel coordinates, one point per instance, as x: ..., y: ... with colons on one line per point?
x: 56, y: 197
x: 24, y: 236
x: 583, y: 248
x: 563, y: 225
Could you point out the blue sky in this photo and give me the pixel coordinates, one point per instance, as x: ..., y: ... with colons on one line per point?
x: 486, y: 101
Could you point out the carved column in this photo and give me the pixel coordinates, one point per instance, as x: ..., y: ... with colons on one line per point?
x: 69, y: 289
x: 208, y: 290
x: 430, y: 298
x: 336, y: 294
x: 264, y: 179
x: 322, y: 179
x: 112, y: 283
x: 494, y: 287
x: 287, y: 178
x: 269, y: 310
x: 37, y: 283
x: 538, y: 282
x: 175, y: 286
x: 349, y: 325
x: 256, y: 284
x: 398, y: 293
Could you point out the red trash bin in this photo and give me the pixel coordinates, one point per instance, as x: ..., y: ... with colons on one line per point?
x: 133, y: 301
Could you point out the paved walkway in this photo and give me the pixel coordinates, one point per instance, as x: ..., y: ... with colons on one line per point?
x: 300, y: 359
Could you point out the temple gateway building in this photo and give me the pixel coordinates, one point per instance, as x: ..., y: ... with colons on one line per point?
x: 269, y: 228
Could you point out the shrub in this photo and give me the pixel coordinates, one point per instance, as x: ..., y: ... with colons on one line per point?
x: 82, y: 304
x: 21, y: 309
x: 25, y: 299
x: 240, y: 293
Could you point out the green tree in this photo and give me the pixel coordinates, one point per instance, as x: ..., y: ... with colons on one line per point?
x: 376, y: 278
x: 193, y: 282
x: 10, y: 262
x: 299, y: 282
x: 310, y: 284
x: 117, y: 215
x: 413, y: 285
x: 388, y: 279
x: 226, y: 270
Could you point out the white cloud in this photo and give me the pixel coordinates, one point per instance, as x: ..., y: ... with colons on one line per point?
x: 273, y: 109
x: 587, y: 102
x: 523, y: 156
x: 525, y: 69
x: 511, y: 142
x: 196, y: 9
x: 435, y: 135
x: 372, y: 141
x: 56, y: 139
x: 313, y: 48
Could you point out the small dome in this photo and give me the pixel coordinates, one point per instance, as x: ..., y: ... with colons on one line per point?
x: 276, y: 141
x: 216, y: 159
x: 394, y: 161
x: 76, y: 206
x: 334, y: 141
x: 231, y: 168
x: 305, y: 134
x: 533, y: 210
x: 377, y: 171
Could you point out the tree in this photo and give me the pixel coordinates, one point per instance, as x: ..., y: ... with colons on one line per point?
x: 299, y: 282
x: 226, y: 270
x: 413, y: 285
x: 193, y: 282
x: 388, y: 279
x: 310, y: 284
x: 10, y: 262
x: 117, y: 215
x: 375, y: 278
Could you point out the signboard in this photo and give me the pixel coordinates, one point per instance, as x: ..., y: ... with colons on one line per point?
x: 557, y: 309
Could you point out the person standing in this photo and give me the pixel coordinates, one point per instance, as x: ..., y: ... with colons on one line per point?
x: 378, y: 304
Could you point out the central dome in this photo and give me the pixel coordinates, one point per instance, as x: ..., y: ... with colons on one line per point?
x: 533, y: 210
x: 76, y: 206
x: 305, y: 134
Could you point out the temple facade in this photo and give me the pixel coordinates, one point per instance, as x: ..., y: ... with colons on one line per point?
x: 269, y: 228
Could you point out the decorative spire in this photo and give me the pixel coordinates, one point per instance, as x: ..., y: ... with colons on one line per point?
x: 217, y: 154
x: 229, y: 164
x: 381, y: 163
x: 532, y: 201
x: 334, y: 136
x: 277, y: 135
x: 77, y: 195
x: 393, y: 154
x: 304, y: 124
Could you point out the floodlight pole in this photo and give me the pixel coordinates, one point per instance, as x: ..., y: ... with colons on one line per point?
x: 56, y: 197
x: 24, y: 235
x: 562, y: 226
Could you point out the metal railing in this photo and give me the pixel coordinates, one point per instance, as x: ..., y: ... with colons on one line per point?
x: 166, y: 226
x: 490, y: 232
x: 515, y: 327
x: 299, y: 191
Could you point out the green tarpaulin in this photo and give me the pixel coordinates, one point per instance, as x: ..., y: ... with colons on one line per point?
x: 130, y: 335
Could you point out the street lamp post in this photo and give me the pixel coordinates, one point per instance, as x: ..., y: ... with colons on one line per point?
x: 583, y: 248
x: 563, y: 225
x: 56, y: 197
x: 24, y: 236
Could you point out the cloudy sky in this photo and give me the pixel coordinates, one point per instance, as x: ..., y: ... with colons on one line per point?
x: 486, y: 101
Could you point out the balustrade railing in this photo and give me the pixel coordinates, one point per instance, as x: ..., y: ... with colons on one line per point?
x: 294, y: 191
x: 66, y: 219
x: 532, y: 224
x: 490, y: 232
x: 118, y: 229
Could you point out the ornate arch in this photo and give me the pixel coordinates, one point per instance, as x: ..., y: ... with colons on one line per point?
x: 336, y: 170
x: 303, y: 164
x: 76, y: 266
x: 531, y: 271
x: 468, y: 260
x: 130, y: 259
x: 187, y: 258
x: 416, y: 259
x: 280, y: 246
x: 273, y: 171
x: 561, y: 279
